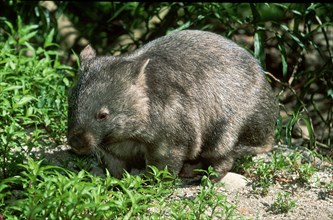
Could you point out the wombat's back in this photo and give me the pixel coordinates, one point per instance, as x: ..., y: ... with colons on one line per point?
x: 221, y: 83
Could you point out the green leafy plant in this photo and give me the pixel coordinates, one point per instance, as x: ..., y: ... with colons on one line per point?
x: 282, y: 203
x: 206, y: 203
x: 53, y: 192
x: 33, y: 99
x: 304, y: 171
x: 281, y: 168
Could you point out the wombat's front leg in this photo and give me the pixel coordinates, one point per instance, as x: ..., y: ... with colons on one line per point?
x: 115, y: 166
x: 189, y: 167
x: 221, y: 165
x: 161, y: 157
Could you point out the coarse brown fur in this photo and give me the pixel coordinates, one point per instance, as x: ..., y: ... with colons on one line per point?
x: 191, y: 97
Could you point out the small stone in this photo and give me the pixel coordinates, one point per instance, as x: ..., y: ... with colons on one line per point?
x: 234, y: 181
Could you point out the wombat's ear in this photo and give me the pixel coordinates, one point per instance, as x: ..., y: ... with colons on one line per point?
x: 87, y: 53
x: 143, y: 66
x: 142, y: 76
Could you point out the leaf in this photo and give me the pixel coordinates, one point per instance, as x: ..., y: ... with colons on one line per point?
x: 284, y: 27
x: 66, y: 81
x: 49, y: 39
x: 76, y: 58
x: 310, y: 130
x: 10, y: 27
x: 184, y: 26
x: 291, y: 122
x: 13, y: 88
x: 27, y: 37
x: 25, y: 99
x: 47, y: 121
x: 259, y: 50
x: 299, y: 42
x: 296, y: 12
x: 31, y: 48
x: 292, y: 35
x: 11, y: 64
x: 116, y: 13
x: 330, y: 93
x: 28, y: 29
x: 283, y: 57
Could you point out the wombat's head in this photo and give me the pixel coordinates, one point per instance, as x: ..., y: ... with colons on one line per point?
x: 108, y: 104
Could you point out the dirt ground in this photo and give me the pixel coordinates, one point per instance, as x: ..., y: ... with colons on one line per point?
x: 313, y: 201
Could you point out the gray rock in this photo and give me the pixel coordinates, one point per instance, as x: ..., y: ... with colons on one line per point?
x: 234, y: 181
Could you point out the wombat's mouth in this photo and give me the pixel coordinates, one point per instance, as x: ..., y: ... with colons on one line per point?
x: 82, y: 150
x: 81, y: 141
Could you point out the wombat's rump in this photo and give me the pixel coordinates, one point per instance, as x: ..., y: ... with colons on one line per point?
x: 191, y: 97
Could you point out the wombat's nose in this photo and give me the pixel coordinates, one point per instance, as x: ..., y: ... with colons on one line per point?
x: 80, y: 142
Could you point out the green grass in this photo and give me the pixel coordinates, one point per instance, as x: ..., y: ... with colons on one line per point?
x: 32, y: 95
x: 43, y: 191
x: 282, y: 168
x: 282, y: 203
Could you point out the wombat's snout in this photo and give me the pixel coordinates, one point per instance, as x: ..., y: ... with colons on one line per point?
x: 81, y: 142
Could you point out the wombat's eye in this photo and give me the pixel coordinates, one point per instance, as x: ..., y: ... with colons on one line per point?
x: 102, y: 114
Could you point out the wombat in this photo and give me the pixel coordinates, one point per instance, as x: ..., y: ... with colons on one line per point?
x: 188, y: 99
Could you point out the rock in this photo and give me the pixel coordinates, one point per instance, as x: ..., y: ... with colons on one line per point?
x: 234, y: 181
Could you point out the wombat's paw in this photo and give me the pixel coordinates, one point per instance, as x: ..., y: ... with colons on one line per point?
x: 115, y: 166
x: 191, y: 181
x: 189, y: 170
x: 137, y: 172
